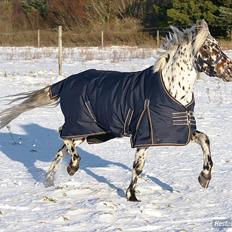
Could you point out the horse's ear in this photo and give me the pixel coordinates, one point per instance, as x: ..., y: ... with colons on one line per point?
x: 202, y: 32
x: 201, y: 25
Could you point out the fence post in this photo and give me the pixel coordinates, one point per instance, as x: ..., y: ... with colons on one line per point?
x: 102, y: 39
x: 38, y: 38
x: 60, y: 49
x: 157, y: 38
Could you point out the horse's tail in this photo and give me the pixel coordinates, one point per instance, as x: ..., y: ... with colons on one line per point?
x: 30, y: 100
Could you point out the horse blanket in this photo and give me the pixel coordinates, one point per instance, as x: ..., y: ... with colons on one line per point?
x: 102, y: 105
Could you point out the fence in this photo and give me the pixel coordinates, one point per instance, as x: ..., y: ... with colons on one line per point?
x: 43, y: 38
x: 40, y: 38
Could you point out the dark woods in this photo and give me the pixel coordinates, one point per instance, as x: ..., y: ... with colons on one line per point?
x: 116, y: 16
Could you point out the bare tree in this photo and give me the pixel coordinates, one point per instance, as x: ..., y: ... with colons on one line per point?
x: 106, y: 10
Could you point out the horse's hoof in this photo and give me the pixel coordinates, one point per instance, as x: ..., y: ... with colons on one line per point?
x: 49, y: 181
x: 204, y: 179
x: 133, y: 198
x: 130, y: 195
x: 72, y: 170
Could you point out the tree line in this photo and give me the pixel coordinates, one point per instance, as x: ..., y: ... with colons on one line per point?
x: 86, y: 14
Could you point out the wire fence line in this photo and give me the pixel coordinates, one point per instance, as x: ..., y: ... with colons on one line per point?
x: 45, y: 38
x: 64, y: 39
x: 37, y: 38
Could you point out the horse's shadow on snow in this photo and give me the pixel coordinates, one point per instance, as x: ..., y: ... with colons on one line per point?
x: 41, y: 144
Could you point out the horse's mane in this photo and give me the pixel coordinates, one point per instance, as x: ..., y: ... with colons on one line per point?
x: 180, y: 37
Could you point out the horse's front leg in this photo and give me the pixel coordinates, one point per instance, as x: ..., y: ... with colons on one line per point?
x: 137, y: 170
x: 205, y: 175
x: 75, y: 157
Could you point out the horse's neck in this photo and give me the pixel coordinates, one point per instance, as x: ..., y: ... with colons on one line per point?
x: 179, y: 78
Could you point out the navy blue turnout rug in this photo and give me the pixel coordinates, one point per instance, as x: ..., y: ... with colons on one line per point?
x: 101, y: 105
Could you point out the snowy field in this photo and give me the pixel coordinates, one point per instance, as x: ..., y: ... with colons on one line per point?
x: 94, y: 199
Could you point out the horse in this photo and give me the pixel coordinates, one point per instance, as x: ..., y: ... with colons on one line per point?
x: 155, y: 106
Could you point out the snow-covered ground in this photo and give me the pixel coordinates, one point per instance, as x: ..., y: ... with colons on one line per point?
x: 94, y: 199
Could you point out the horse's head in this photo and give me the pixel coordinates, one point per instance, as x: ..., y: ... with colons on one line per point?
x: 186, y: 53
x: 210, y: 58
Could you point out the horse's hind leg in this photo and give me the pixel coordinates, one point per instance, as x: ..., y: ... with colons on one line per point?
x: 137, y: 170
x: 49, y: 178
x: 75, y: 157
x: 67, y: 148
x: 205, y: 175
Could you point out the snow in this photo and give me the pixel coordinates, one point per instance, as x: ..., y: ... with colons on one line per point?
x: 94, y: 198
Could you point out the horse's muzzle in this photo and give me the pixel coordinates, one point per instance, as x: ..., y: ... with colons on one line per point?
x: 227, y: 72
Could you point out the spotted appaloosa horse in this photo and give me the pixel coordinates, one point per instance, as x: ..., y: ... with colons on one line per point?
x: 155, y: 106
